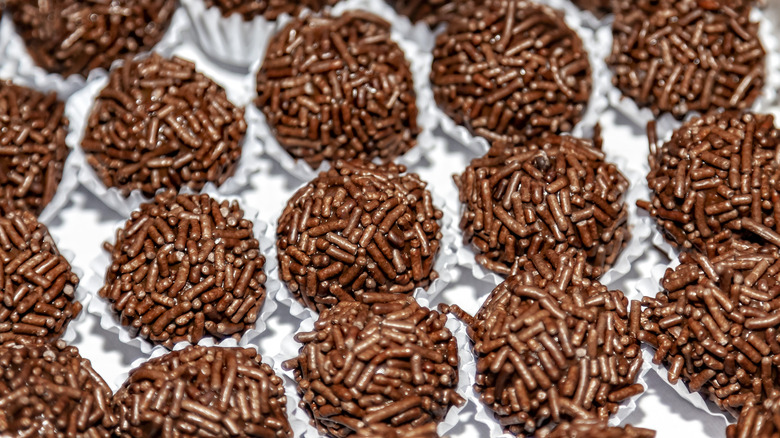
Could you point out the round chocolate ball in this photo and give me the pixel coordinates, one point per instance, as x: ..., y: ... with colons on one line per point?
x: 380, y: 363
x: 32, y: 146
x: 430, y: 12
x: 678, y: 56
x: 269, y: 9
x: 37, y: 285
x: 74, y: 37
x: 757, y: 421
x: 358, y: 228
x: 543, y: 197
x: 714, y: 325
x: 338, y: 88
x: 510, y: 70
x: 49, y: 390
x: 159, y: 123
x: 550, y: 352
x: 203, y: 391
x: 595, y: 428
x: 715, y: 179
x: 184, y: 267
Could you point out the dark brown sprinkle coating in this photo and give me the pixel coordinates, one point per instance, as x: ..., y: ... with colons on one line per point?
x: 547, y: 195
x: 679, y: 56
x: 757, y: 421
x: 589, y: 428
x: 37, y: 286
x: 76, y: 36
x: 715, y: 173
x: 430, y: 12
x: 203, y: 392
x: 599, y: 8
x: 379, y: 363
x: 49, y: 390
x: 550, y: 352
x: 161, y: 124
x: 338, y: 88
x: 427, y: 430
x: 715, y: 323
x: 269, y: 9
x: 511, y: 69
x: 32, y: 146
x: 358, y: 228
x: 185, y: 267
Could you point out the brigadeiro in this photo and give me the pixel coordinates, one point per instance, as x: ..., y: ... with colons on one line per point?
x: 269, y: 9
x: 510, y: 70
x: 382, y: 362
x: 203, y: 391
x: 357, y: 228
x: 37, y: 286
x: 338, y: 88
x: 74, y: 37
x: 551, y: 352
x: 184, y: 267
x: 32, y: 146
x: 758, y: 421
x: 596, y: 428
x: 542, y: 197
x: 716, y: 178
x: 714, y: 325
x: 49, y: 390
x: 159, y: 123
x: 430, y: 12
x: 678, y: 56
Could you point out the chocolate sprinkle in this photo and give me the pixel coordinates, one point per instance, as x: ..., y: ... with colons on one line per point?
x: 37, y: 286
x: 383, y: 362
x: 716, y: 178
x: 338, y: 88
x: 161, y: 124
x: 75, y: 36
x: 587, y: 428
x: 203, y: 391
x: 358, y: 228
x: 759, y: 421
x: 32, y: 146
x: 715, y: 326
x: 49, y: 390
x: 427, y: 430
x: 430, y: 12
x: 549, y: 352
x: 509, y: 70
x: 269, y: 9
x: 679, y: 56
x: 184, y: 267
x: 540, y: 198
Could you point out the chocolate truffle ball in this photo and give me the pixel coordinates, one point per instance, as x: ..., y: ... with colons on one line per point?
x: 203, y: 391
x: 338, y: 88
x: 269, y: 9
x: 678, y: 56
x: 594, y: 428
x: 49, y: 390
x: 758, y: 421
x: 37, y: 286
x: 549, y: 352
x: 511, y: 69
x: 32, y: 146
x: 430, y: 12
x: 716, y: 176
x: 74, y: 37
x: 184, y: 267
x: 714, y: 325
x: 161, y: 124
x: 599, y: 8
x: 358, y: 228
x: 380, y: 362
x: 546, y: 195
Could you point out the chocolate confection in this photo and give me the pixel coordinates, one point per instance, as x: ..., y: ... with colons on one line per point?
x: 678, y: 56
x: 757, y: 421
x: 543, y: 197
x: 74, y: 37
x: 203, y: 391
x: 161, y: 124
x: 714, y: 325
x: 358, y: 228
x: 430, y: 12
x: 716, y: 178
x: 32, y: 146
x: 37, y: 286
x: 184, y: 267
x: 270, y: 9
x: 511, y: 69
x: 550, y: 352
x: 49, y: 390
x: 381, y: 362
x: 338, y: 88
x: 592, y: 428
